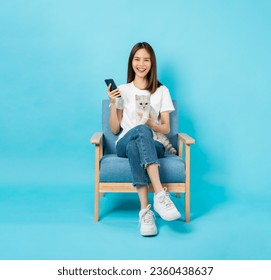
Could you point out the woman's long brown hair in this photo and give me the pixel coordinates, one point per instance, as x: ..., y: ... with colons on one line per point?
x: 153, y: 82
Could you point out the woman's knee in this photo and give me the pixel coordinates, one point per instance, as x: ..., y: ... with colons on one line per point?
x: 144, y: 129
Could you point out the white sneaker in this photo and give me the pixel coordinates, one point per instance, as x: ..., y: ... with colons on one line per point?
x: 147, y: 223
x: 165, y: 207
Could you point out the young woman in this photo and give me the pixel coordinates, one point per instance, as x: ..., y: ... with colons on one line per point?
x: 136, y: 142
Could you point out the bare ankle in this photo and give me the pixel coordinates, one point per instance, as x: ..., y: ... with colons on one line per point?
x: 143, y: 206
x: 158, y: 189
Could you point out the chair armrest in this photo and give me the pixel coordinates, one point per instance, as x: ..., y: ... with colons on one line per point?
x: 96, y: 138
x: 186, y: 138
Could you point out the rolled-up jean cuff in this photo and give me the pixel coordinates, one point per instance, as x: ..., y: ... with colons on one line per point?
x: 140, y: 184
x: 145, y: 165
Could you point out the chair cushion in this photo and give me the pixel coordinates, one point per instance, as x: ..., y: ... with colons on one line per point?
x: 117, y: 169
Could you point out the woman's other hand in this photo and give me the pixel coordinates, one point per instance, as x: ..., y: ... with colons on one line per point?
x: 163, y: 127
x: 151, y: 124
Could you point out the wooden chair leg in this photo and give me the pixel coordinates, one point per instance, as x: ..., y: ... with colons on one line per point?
x: 96, y: 205
x: 187, y: 207
x: 187, y: 183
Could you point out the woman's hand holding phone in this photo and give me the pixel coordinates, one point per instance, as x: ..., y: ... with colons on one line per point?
x: 113, y: 94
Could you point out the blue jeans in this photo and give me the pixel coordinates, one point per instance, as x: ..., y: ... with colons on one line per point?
x: 141, y: 149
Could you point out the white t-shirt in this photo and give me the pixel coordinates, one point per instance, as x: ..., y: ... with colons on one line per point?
x: 160, y: 101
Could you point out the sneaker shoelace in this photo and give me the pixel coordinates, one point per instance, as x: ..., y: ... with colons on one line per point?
x: 148, y: 216
x: 165, y: 199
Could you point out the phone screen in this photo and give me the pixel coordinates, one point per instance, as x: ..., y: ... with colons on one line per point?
x: 110, y: 81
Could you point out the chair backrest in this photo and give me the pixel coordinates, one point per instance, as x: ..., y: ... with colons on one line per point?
x: 110, y: 138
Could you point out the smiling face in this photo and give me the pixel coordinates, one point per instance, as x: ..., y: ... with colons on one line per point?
x: 142, y: 67
x: 141, y: 63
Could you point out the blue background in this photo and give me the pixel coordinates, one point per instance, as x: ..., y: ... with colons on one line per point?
x: 214, y: 56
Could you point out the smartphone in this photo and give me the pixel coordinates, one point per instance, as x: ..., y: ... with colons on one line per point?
x: 110, y: 81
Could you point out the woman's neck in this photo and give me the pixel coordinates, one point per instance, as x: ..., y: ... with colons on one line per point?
x: 140, y: 83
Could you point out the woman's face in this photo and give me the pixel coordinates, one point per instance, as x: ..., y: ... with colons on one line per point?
x: 141, y: 63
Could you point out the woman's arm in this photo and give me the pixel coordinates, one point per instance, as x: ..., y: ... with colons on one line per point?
x: 115, y: 114
x: 164, y: 127
x: 115, y: 118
